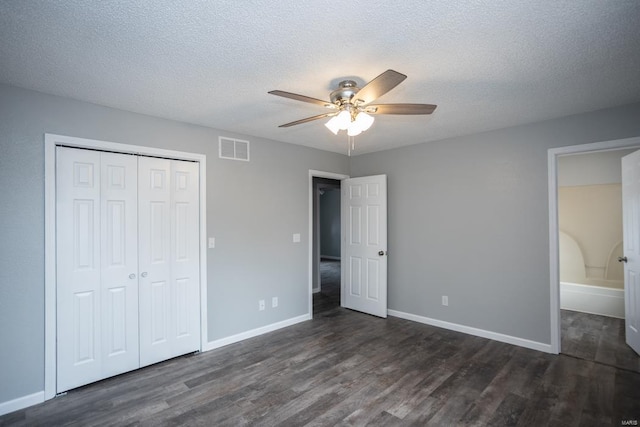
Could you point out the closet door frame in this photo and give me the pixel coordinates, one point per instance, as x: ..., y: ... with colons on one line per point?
x: 50, y: 143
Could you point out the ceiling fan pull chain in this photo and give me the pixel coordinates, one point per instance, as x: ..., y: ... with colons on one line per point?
x: 351, y: 144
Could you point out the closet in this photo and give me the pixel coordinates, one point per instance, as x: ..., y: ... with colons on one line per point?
x: 127, y: 263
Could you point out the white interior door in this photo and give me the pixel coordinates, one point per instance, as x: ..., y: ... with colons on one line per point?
x: 364, y: 234
x: 97, y: 324
x: 631, y: 236
x: 169, y: 258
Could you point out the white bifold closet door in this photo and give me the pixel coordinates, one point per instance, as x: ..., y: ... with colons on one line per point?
x: 127, y: 263
x: 97, y: 265
x: 169, y: 259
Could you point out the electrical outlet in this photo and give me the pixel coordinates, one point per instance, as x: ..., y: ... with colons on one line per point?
x: 261, y: 305
x: 274, y: 302
x: 445, y: 300
x: 212, y: 242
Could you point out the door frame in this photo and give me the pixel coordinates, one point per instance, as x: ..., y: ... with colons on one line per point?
x: 554, y: 265
x: 312, y: 242
x: 51, y: 141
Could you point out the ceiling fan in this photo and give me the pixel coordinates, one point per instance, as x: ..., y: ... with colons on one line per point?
x: 351, y: 107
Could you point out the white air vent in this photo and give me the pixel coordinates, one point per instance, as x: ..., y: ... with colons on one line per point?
x: 234, y: 149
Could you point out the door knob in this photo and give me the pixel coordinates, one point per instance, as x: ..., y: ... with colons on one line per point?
x: 132, y: 276
x: 143, y: 274
x: 382, y: 253
x: 622, y: 259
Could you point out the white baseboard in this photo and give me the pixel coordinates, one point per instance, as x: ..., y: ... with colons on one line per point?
x: 592, y: 299
x: 255, y: 332
x: 334, y: 258
x: 534, y: 345
x: 315, y: 290
x: 21, y: 402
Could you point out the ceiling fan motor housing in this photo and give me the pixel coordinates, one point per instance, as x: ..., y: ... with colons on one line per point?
x: 347, y: 89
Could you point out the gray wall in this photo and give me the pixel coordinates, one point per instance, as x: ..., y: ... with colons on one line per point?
x: 330, y: 223
x: 254, y: 256
x: 468, y: 218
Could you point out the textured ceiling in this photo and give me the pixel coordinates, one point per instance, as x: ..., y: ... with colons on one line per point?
x: 487, y: 64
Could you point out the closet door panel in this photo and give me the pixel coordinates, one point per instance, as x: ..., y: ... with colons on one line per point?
x: 154, y: 210
x: 79, y: 313
x: 119, y: 263
x: 185, y: 278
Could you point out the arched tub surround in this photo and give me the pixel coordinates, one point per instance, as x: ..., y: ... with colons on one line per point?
x: 580, y: 292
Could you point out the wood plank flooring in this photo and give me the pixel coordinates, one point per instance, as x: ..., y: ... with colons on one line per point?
x: 347, y: 368
x: 597, y: 338
x: 329, y: 295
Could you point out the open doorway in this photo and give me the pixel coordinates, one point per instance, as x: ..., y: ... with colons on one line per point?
x: 590, y: 232
x: 590, y: 243
x: 327, y: 245
x: 587, y: 284
x: 319, y: 180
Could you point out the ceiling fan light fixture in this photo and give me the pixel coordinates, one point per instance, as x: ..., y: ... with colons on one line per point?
x: 364, y: 121
x: 343, y: 120
x: 333, y: 125
x: 354, y: 129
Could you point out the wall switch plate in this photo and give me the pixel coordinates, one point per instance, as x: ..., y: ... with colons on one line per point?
x: 261, y: 305
x: 296, y: 238
x: 212, y: 242
x: 274, y: 302
x: 445, y: 300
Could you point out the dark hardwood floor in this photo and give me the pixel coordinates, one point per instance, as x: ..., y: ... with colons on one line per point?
x: 348, y: 368
x: 597, y: 338
x: 329, y: 296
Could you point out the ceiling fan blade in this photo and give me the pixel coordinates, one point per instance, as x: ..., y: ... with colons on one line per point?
x: 379, y: 86
x: 308, y: 119
x: 400, y: 109
x: 302, y: 98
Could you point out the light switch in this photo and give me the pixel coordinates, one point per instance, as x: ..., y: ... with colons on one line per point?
x: 212, y: 242
x: 296, y: 238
